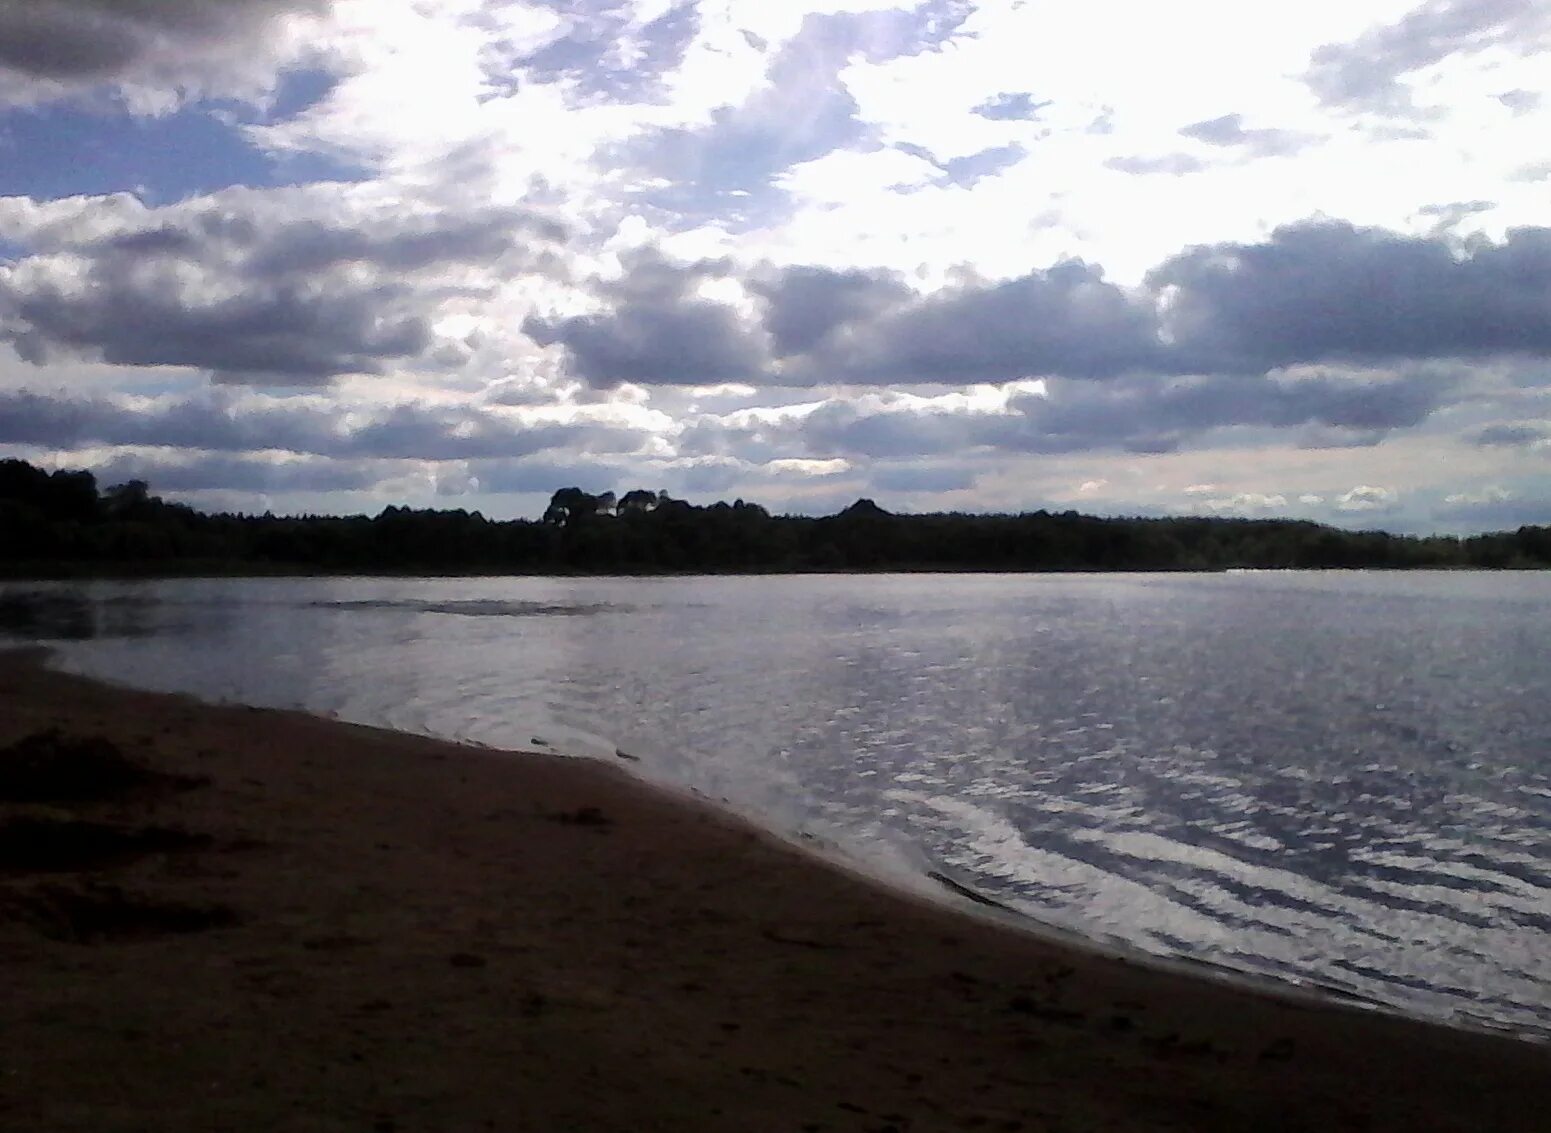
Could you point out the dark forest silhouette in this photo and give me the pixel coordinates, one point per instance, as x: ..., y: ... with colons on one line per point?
x: 60, y: 524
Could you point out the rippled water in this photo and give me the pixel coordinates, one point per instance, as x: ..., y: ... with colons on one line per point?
x: 1342, y: 779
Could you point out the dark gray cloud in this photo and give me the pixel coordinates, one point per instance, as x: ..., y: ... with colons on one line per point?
x: 1015, y: 106
x: 1449, y: 215
x: 683, y: 342
x: 1229, y: 131
x: 215, y: 423
x: 249, y: 292
x: 1170, y: 164
x: 657, y: 331
x: 602, y: 54
x: 1371, y: 405
x: 61, y: 45
x: 1329, y: 291
x: 1312, y: 293
x: 1367, y: 74
x: 923, y: 478
x: 714, y: 436
x: 406, y: 243
x: 807, y: 305
x: 728, y: 169
x: 222, y: 472
x: 842, y: 429
x: 856, y: 327
x: 1066, y: 319
x: 544, y: 475
x: 280, y: 334
x: 712, y: 479
x: 1161, y: 415
x: 1137, y: 414
x: 1510, y: 435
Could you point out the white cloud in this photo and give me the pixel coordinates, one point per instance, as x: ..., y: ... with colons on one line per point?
x: 1365, y: 498
x: 1489, y: 494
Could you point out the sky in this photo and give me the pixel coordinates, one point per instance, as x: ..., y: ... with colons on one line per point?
x: 1202, y: 258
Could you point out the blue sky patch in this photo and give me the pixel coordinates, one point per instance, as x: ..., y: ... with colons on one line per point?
x: 60, y: 151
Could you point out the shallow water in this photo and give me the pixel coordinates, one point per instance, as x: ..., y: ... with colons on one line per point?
x: 1341, y: 779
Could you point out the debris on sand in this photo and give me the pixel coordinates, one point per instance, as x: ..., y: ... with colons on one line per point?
x: 48, y: 845
x: 95, y: 912
x: 50, y: 767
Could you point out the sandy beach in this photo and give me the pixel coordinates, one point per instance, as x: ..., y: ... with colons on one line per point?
x: 219, y: 918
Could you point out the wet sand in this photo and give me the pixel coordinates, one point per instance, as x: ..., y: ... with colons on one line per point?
x: 227, y: 918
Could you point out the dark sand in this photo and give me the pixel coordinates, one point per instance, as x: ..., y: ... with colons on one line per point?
x: 296, y: 924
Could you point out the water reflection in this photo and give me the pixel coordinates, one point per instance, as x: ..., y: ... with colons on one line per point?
x: 75, y: 614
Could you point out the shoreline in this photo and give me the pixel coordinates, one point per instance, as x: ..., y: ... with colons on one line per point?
x: 48, y: 573
x: 924, y: 878
x: 403, y: 933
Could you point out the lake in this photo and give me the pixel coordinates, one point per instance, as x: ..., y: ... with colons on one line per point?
x: 1337, y: 779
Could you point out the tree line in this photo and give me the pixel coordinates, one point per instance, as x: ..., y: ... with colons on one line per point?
x: 60, y: 524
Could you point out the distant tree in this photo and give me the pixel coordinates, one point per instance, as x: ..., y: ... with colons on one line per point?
x: 637, y: 500
x: 55, y: 522
x: 55, y: 496
x: 570, y: 504
x: 129, y: 500
x: 864, y: 506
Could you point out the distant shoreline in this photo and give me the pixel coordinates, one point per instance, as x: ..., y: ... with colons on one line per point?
x: 59, y: 523
x: 277, y: 915
x: 98, y: 572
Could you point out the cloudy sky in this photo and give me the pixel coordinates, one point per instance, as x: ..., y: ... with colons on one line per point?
x: 1204, y: 257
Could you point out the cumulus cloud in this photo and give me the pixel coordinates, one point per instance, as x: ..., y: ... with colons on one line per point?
x: 295, y: 287
x: 156, y: 53
x: 1367, y: 498
x: 1313, y: 293
x: 217, y: 422
x: 805, y: 306
x: 1490, y: 494
x: 1144, y: 414
x: 1149, y: 414
x: 1368, y: 73
x: 1067, y: 319
x: 657, y: 329
x: 1236, y: 503
x: 1326, y: 291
